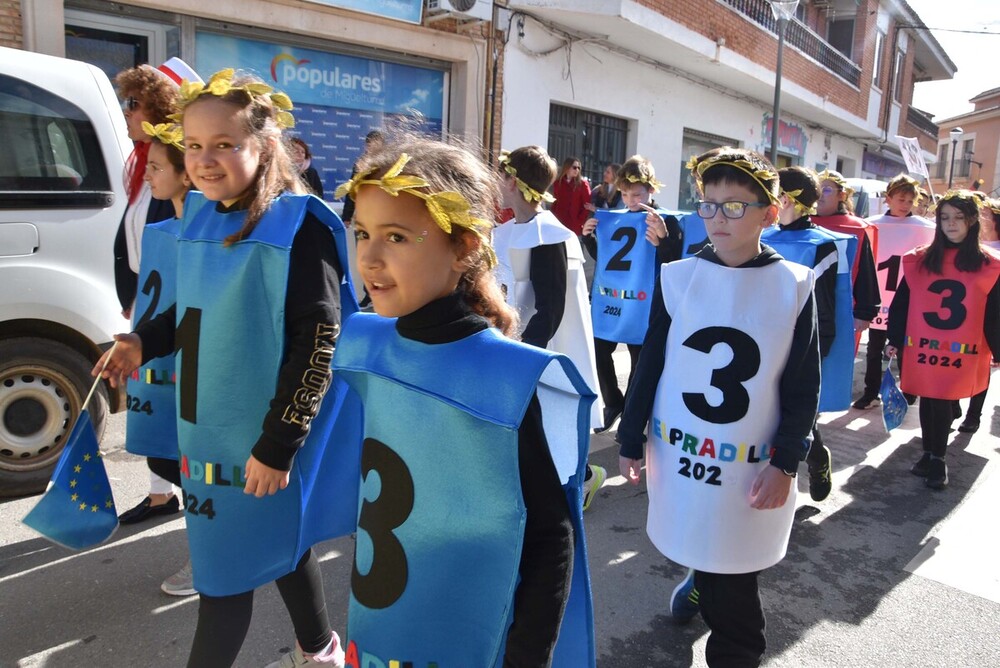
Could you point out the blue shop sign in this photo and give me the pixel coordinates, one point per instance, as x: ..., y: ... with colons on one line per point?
x: 338, y: 99
x: 402, y: 10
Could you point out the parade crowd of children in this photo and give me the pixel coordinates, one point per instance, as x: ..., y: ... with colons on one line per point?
x: 449, y: 430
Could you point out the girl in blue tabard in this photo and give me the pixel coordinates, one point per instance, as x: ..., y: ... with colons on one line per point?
x: 634, y: 242
x: 945, y: 322
x: 470, y: 547
x: 151, y: 420
x: 258, y: 308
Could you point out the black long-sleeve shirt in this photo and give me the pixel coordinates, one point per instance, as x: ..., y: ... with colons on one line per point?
x: 312, y: 303
x: 825, y: 291
x: 867, y: 298
x: 547, y: 554
x: 126, y: 280
x: 548, y: 270
x: 799, y: 385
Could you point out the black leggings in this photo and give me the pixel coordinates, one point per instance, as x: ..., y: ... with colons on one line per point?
x: 607, y: 377
x: 223, y: 620
x: 975, y: 412
x: 731, y: 607
x: 936, y: 416
x: 168, y: 469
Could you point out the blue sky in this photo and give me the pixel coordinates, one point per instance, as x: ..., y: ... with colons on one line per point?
x: 975, y: 56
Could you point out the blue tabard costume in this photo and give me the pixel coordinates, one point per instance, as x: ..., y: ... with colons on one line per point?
x: 230, y: 344
x: 695, y: 234
x: 150, y: 418
x: 799, y: 246
x: 442, y: 518
x: 624, y: 277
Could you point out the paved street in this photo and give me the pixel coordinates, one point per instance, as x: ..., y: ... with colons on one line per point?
x: 883, y: 573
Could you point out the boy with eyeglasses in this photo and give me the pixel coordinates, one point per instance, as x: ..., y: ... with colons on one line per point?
x: 728, y: 383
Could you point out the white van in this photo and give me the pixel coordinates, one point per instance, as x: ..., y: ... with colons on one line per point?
x: 869, y: 197
x: 61, y: 200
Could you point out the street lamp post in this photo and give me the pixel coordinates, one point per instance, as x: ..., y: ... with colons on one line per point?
x: 954, y: 133
x: 783, y: 11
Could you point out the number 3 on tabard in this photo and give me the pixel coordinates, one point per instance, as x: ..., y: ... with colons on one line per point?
x: 728, y: 379
x: 186, y: 343
x: 386, y: 579
x: 952, y: 302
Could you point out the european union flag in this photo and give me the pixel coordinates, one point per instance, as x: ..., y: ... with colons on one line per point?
x: 893, y: 402
x: 77, y: 510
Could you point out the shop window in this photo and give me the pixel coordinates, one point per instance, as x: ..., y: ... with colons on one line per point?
x: 596, y: 139
x: 50, y: 143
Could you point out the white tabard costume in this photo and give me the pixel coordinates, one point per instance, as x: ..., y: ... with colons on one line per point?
x: 716, y: 412
x: 575, y: 335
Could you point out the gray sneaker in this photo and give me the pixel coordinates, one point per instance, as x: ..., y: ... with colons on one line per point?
x: 180, y: 583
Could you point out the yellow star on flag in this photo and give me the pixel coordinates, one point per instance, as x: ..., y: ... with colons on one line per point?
x: 86, y: 457
x: 108, y: 503
x: 74, y: 497
x: 72, y: 483
x: 93, y: 508
x: 77, y: 468
x: 83, y: 506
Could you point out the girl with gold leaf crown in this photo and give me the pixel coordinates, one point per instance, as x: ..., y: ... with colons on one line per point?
x: 945, y: 323
x: 258, y: 309
x: 470, y: 547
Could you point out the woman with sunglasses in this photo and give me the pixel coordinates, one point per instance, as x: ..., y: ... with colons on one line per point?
x: 835, y: 213
x: 148, y: 95
x: 572, y: 193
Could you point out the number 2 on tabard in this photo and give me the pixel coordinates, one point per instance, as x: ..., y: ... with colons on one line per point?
x: 618, y: 261
x: 154, y: 285
x: 728, y: 379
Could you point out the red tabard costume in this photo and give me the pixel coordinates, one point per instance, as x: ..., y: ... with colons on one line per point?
x: 858, y: 227
x: 945, y: 353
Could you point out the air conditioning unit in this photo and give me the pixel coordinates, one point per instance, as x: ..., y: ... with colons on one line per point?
x: 475, y: 10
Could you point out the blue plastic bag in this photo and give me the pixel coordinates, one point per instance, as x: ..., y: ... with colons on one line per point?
x: 894, y: 404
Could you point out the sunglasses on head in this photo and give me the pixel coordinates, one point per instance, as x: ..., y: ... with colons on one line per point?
x: 130, y: 104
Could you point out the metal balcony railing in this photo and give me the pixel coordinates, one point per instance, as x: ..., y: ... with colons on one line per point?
x: 800, y: 37
x: 921, y: 121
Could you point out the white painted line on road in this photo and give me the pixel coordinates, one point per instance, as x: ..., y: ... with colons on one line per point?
x: 39, y: 658
x: 176, y: 604
x: 76, y: 555
x: 622, y: 558
x: 965, y: 550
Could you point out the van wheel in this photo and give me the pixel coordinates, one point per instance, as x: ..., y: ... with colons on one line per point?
x: 42, y: 385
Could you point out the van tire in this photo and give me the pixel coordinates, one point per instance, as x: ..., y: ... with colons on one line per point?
x: 42, y: 385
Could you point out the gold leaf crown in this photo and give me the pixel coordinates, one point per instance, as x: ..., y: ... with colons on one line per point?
x: 963, y: 194
x: 221, y: 84
x: 836, y: 177
x: 170, y: 134
x: 645, y: 180
x: 759, y: 172
x: 529, y: 193
x: 801, y: 208
x: 448, y: 208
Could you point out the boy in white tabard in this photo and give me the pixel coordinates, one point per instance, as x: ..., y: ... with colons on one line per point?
x: 728, y: 385
x: 540, y: 271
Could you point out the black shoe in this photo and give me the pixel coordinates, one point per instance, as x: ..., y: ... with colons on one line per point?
x: 144, y: 510
x: 820, y: 483
x: 956, y: 410
x: 937, y: 476
x: 866, y: 401
x: 610, y: 415
x: 970, y: 426
x: 910, y: 398
x: 923, y: 466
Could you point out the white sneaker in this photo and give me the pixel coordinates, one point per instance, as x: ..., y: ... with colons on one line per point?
x: 180, y: 583
x: 332, y: 656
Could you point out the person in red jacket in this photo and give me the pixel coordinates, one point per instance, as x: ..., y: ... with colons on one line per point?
x: 572, y: 193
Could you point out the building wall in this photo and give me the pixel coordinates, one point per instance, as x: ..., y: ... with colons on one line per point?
x: 716, y: 20
x: 659, y: 106
x: 11, y: 24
